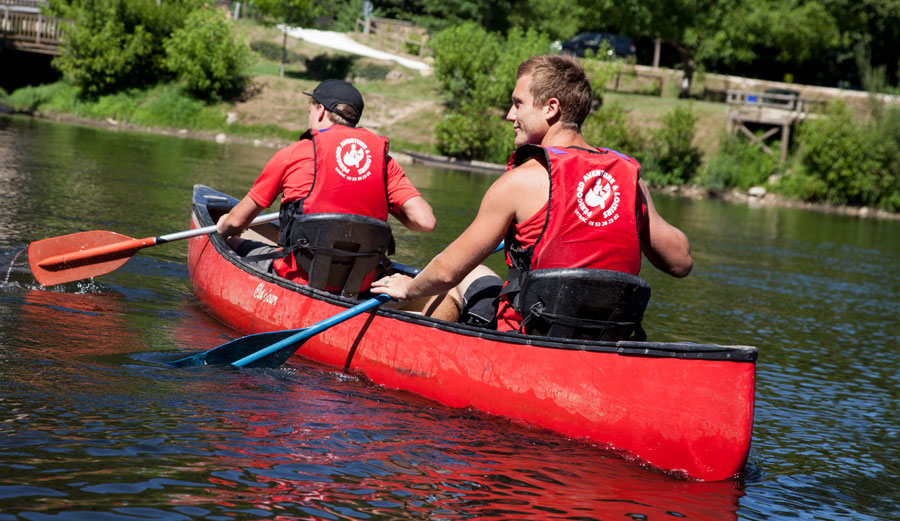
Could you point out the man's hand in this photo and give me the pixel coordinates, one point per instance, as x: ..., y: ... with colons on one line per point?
x: 397, y: 286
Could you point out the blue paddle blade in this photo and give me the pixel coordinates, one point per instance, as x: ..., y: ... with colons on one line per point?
x: 274, y: 348
x: 239, y: 348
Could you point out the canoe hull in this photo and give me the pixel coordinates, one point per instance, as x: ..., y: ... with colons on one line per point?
x: 671, y: 408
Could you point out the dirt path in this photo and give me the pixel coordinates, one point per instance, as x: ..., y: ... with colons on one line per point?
x: 342, y: 42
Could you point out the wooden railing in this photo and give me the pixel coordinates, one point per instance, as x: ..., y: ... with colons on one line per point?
x: 767, y: 100
x: 31, y: 32
x: 25, y: 3
x: 400, y: 32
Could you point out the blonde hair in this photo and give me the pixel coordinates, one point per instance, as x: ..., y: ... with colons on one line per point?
x: 563, y: 78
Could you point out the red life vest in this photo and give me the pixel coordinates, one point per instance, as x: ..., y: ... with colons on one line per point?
x: 592, y: 215
x: 351, y: 173
x: 350, y: 177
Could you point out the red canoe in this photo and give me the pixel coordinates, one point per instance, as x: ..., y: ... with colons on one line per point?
x: 683, y: 408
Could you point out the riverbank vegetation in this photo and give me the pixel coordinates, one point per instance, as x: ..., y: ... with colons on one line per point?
x: 186, y: 66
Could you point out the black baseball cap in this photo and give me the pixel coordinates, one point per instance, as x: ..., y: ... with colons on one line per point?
x: 331, y: 93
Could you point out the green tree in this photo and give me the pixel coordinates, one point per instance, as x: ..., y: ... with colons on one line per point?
x: 477, y: 71
x: 287, y: 13
x: 116, y: 44
x: 558, y: 19
x: 724, y: 31
x: 207, y: 56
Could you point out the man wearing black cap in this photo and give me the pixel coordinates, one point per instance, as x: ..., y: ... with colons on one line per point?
x: 334, y: 168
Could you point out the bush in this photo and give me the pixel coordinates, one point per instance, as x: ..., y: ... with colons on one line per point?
x: 738, y: 164
x: 475, y: 134
x: 478, y: 68
x: 326, y: 66
x: 843, y: 160
x: 477, y: 72
x: 608, y: 127
x: 116, y: 44
x: 671, y: 158
x: 272, y: 51
x: 207, y: 56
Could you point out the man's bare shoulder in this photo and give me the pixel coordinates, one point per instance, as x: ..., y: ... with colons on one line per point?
x: 528, y: 172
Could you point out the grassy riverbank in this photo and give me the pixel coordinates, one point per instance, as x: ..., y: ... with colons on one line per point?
x: 401, y: 103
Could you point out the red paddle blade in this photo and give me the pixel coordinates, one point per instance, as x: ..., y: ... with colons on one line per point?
x: 81, y: 255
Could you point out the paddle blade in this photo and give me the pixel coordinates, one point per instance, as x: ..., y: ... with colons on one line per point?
x: 40, y: 251
x: 239, y: 348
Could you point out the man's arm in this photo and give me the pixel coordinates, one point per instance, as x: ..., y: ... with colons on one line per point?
x: 416, y: 214
x: 477, y: 242
x: 235, y: 221
x: 665, y: 246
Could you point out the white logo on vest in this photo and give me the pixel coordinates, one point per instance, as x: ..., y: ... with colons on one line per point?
x: 598, y: 199
x: 353, y: 160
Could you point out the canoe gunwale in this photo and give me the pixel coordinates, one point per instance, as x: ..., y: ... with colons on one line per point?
x: 681, y: 350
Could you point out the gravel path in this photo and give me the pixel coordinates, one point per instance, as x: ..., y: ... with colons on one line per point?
x: 342, y: 42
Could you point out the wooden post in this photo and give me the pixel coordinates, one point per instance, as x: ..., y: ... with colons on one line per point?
x: 657, y: 43
x: 422, y: 43
x: 785, y: 137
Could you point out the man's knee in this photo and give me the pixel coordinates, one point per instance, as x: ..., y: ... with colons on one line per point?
x: 480, y: 299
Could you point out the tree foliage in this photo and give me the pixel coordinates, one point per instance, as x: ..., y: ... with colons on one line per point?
x: 118, y: 44
x: 477, y: 71
x: 206, y: 55
x: 724, y: 31
x: 845, y: 160
x: 286, y: 13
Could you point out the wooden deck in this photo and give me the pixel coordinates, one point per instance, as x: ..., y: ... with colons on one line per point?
x: 778, y: 111
x: 23, y: 27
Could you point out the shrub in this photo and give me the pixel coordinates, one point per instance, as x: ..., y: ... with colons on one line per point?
x: 474, y: 134
x: 671, y: 158
x: 737, y: 164
x: 609, y: 127
x: 326, y: 66
x: 464, y: 60
x: 477, y: 72
x: 116, y: 44
x: 206, y: 55
x: 272, y: 51
x: 477, y: 67
x: 844, y: 160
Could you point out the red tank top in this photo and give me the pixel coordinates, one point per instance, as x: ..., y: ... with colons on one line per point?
x: 591, y: 220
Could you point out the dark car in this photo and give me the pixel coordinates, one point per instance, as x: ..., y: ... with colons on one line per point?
x: 620, y: 46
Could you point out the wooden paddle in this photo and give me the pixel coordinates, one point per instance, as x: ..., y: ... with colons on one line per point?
x: 84, y: 255
x: 274, y: 348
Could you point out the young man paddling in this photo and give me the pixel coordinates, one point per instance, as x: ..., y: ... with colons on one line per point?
x: 562, y: 203
x: 335, y: 168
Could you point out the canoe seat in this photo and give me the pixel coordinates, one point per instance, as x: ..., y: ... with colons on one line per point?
x: 339, y: 250
x: 584, y: 304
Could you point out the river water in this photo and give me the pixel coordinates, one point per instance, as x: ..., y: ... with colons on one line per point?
x: 92, y: 426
